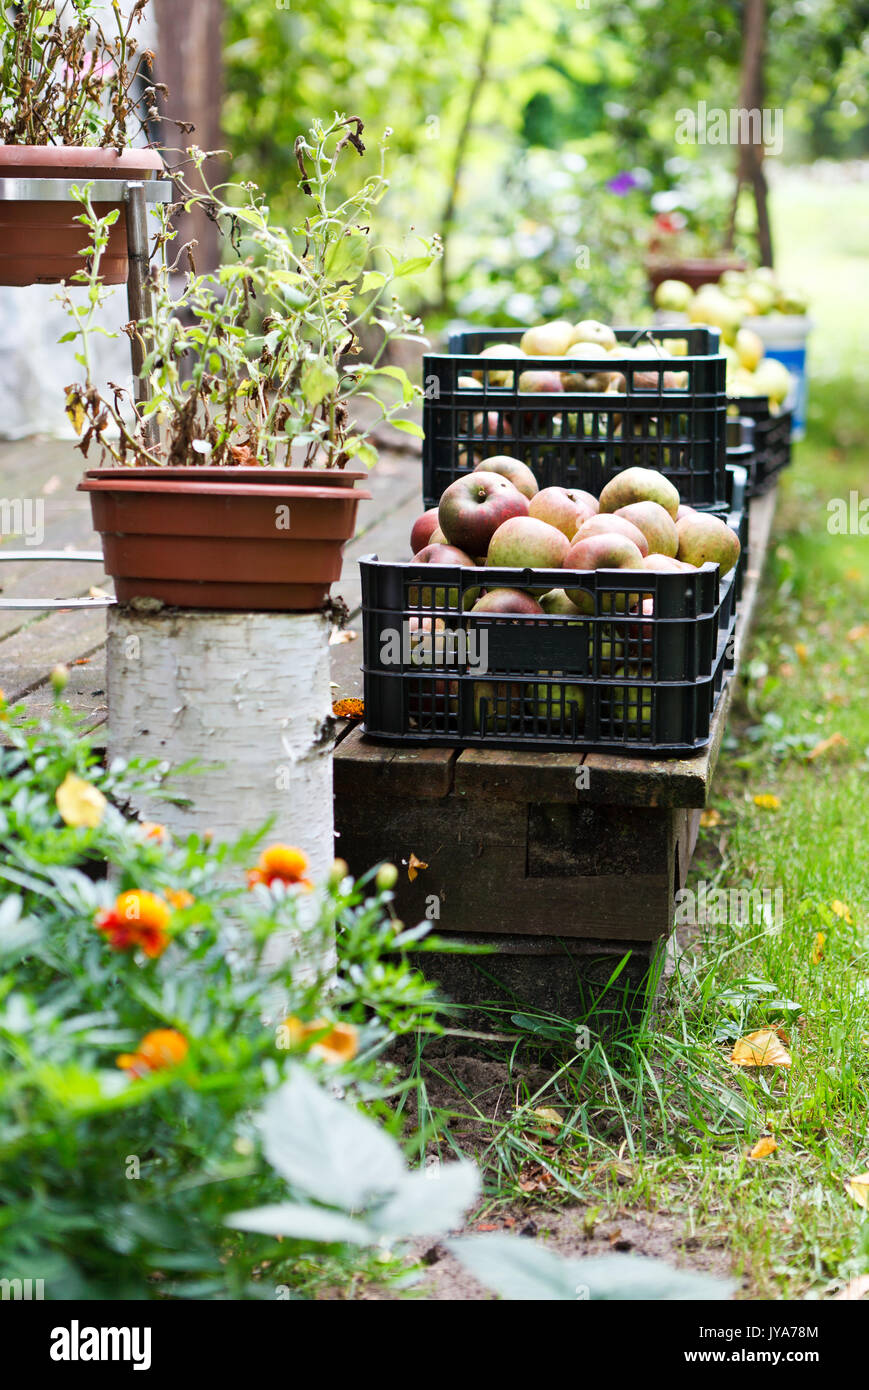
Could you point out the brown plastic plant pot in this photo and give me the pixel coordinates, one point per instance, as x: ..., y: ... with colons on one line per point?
x: 40, y: 242
x: 222, y: 538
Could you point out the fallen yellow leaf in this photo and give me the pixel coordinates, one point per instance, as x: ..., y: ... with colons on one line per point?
x: 761, y: 1049
x: 79, y: 803
x: 818, y: 948
x: 710, y: 818
x: 764, y: 1147
x: 767, y: 801
x: 858, y: 1188
x: 548, y: 1116
x: 843, y: 911
x: 414, y: 865
x: 857, y: 634
x: 835, y: 740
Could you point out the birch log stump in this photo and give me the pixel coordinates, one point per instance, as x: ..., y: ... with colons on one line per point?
x: 248, y: 695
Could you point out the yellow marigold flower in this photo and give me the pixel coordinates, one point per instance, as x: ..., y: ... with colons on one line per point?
x: 158, y: 1050
x: 80, y: 803
x: 280, y: 864
x: 339, y: 1044
x: 843, y: 911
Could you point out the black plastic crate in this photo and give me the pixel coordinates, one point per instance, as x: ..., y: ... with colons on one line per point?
x: 735, y: 513
x: 641, y: 670
x: 741, y: 448
x: 573, y: 438
x: 772, y: 440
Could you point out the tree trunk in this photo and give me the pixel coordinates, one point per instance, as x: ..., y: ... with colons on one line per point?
x: 481, y: 75
x: 247, y: 696
x: 190, y: 61
x: 751, y: 98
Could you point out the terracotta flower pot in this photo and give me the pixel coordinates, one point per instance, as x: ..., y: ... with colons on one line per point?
x: 261, y: 539
x: 40, y: 242
x: 701, y: 271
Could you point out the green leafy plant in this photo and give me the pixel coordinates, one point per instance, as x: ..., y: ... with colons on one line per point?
x: 257, y: 362
x: 65, y: 81
x: 142, y: 1024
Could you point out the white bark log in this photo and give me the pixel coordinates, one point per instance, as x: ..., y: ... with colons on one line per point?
x: 247, y: 691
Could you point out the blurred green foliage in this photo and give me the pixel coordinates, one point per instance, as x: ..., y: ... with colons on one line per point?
x: 470, y: 87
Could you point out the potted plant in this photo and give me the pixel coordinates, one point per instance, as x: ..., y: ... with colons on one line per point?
x: 230, y: 486
x: 73, y: 99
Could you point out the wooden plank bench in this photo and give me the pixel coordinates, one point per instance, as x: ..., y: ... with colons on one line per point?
x: 523, y: 853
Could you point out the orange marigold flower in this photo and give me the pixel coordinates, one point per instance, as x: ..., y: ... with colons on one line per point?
x: 179, y: 898
x: 348, y: 709
x: 339, y: 1044
x: 163, y: 1048
x: 280, y: 864
x: 138, y: 918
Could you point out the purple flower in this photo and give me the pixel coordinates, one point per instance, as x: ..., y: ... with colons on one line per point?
x: 622, y: 183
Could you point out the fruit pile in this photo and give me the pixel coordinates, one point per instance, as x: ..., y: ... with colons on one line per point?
x: 588, y: 341
x: 497, y: 516
x: 739, y: 295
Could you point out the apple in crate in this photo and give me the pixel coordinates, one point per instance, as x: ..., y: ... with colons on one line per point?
x: 704, y: 537
x: 610, y: 551
x: 475, y: 505
x: 656, y: 524
x: 438, y: 598
x: 555, y: 705
x: 523, y: 542
x: 559, y: 605
x: 499, y: 701
x: 602, y: 525
x: 631, y: 704
x: 422, y: 529
x: 592, y: 331
x: 557, y: 508
x: 514, y: 470
x: 498, y: 376
x: 512, y: 601
x: 548, y: 339
x: 639, y: 485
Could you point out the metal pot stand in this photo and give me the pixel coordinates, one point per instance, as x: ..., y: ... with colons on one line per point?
x: 134, y: 195
x: 31, y: 604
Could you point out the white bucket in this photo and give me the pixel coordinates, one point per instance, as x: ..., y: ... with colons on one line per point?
x: 784, y: 337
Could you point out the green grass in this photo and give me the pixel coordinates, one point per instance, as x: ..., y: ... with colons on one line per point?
x: 658, y: 1120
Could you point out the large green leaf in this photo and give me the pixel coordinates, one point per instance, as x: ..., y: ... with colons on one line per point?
x: 346, y: 259
x: 429, y: 1201
x: 301, y: 1222
x: 326, y: 1148
x: 523, y: 1270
